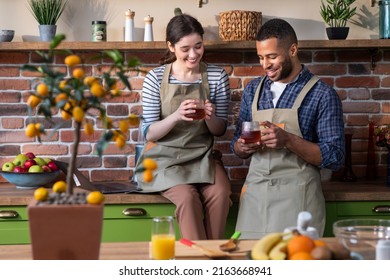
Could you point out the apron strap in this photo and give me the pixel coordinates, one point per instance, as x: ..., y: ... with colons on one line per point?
x: 304, y: 91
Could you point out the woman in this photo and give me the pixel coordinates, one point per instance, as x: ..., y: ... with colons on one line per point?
x: 187, y: 174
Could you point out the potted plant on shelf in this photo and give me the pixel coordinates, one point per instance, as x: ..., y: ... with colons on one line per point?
x: 47, y: 13
x: 64, y: 224
x: 336, y: 14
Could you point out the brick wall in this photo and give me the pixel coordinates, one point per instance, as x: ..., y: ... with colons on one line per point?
x: 363, y: 89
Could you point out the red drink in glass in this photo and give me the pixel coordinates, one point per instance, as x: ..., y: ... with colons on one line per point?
x: 251, y: 136
x: 198, y: 115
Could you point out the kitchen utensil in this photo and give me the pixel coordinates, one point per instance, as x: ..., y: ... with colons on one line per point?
x: 208, y: 252
x: 231, y: 244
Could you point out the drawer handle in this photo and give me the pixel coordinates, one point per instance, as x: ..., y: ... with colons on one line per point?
x: 381, y: 209
x: 134, y: 212
x: 8, y: 214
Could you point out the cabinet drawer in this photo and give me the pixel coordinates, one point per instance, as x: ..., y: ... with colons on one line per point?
x: 14, y: 225
x: 133, y: 222
x: 364, y: 208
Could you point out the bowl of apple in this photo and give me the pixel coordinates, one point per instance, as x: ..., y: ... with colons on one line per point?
x: 26, y: 171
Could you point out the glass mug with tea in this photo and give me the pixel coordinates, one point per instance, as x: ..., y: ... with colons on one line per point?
x: 163, y: 238
x: 199, y: 110
x: 250, y: 132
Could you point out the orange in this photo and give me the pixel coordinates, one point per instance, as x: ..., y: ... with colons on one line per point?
x: 134, y: 120
x: 38, y: 128
x: 78, y: 73
x: 120, y: 141
x: 42, y: 89
x: 78, y: 114
x: 124, y: 126
x: 59, y: 187
x: 41, y: 194
x: 89, y: 80
x: 149, y: 164
x: 95, y: 197
x: 301, y: 256
x: 97, y: 90
x: 148, y: 176
x: 300, y: 243
x: 61, y: 96
x: 72, y: 60
x: 88, y: 129
x: 319, y: 243
x: 65, y: 115
x: 33, y: 101
x: 62, y: 84
x: 31, y: 130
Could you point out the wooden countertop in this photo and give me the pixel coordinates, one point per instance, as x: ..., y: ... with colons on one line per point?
x: 333, y: 191
x: 140, y: 250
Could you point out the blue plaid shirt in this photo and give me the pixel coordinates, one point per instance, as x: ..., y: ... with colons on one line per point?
x: 320, y: 114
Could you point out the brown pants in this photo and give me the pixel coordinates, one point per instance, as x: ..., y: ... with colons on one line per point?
x: 201, y: 210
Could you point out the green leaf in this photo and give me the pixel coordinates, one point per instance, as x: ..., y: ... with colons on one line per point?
x: 57, y: 40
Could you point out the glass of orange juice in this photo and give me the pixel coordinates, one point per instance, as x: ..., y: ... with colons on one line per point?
x: 163, y: 238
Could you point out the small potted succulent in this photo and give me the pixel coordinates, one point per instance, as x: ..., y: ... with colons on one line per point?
x: 336, y: 14
x: 47, y: 13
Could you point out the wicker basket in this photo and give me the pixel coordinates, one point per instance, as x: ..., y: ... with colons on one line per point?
x: 239, y: 25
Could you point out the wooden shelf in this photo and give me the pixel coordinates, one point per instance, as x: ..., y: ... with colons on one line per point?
x: 210, y: 45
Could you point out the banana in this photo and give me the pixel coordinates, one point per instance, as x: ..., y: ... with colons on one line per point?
x: 279, y: 251
x: 262, y: 247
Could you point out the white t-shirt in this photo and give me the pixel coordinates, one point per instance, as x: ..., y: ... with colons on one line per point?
x: 277, y: 89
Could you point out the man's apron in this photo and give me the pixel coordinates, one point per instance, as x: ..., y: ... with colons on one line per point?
x: 279, y: 184
x: 184, y: 155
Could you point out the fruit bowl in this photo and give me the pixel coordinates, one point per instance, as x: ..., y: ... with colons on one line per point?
x: 29, y: 180
x: 360, y: 236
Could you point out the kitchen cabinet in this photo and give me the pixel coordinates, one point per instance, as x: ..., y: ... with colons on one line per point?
x: 340, y: 210
x: 122, y: 222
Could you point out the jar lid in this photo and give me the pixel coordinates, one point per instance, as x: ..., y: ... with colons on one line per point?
x: 98, y: 22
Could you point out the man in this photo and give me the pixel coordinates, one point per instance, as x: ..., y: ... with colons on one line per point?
x: 302, y: 130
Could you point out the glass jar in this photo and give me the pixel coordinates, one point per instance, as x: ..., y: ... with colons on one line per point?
x: 99, y: 31
x: 384, y: 19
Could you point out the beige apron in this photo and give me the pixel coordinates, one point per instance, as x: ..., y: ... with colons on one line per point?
x: 279, y: 184
x: 184, y: 155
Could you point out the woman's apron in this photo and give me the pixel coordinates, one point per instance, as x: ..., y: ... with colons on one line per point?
x: 279, y: 184
x: 184, y: 155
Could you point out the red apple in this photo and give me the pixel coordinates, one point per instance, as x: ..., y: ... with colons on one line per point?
x: 28, y: 163
x: 19, y: 169
x: 46, y: 168
x: 30, y: 155
x: 52, y: 165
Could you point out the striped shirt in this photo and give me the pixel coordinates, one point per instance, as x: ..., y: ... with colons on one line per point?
x: 320, y: 115
x: 151, y: 102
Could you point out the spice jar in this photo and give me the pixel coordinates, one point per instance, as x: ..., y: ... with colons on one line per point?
x: 99, y: 31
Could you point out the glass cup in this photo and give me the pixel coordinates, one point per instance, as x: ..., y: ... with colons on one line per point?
x: 163, y: 238
x: 199, y: 110
x: 250, y: 132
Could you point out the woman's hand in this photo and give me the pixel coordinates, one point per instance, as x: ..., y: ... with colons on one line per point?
x: 209, y: 109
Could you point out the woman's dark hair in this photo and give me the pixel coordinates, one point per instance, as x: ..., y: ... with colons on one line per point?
x: 178, y: 27
x: 279, y: 29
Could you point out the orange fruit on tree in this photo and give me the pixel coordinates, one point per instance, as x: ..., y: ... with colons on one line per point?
x: 95, y: 197
x: 38, y: 128
x: 33, y: 101
x: 78, y: 114
x: 65, y: 115
x: 62, y: 84
x: 72, y: 60
x: 134, y: 119
x: 42, y: 89
x: 88, y: 128
x: 148, y: 175
x: 299, y: 243
x: 301, y: 256
x: 123, y: 126
x: 60, y: 97
x: 31, y: 130
x: 78, y: 73
x: 41, y: 194
x: 149, y: 164
x: 97, y: 90
x: 120, y: 141
x: 59, y: 187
